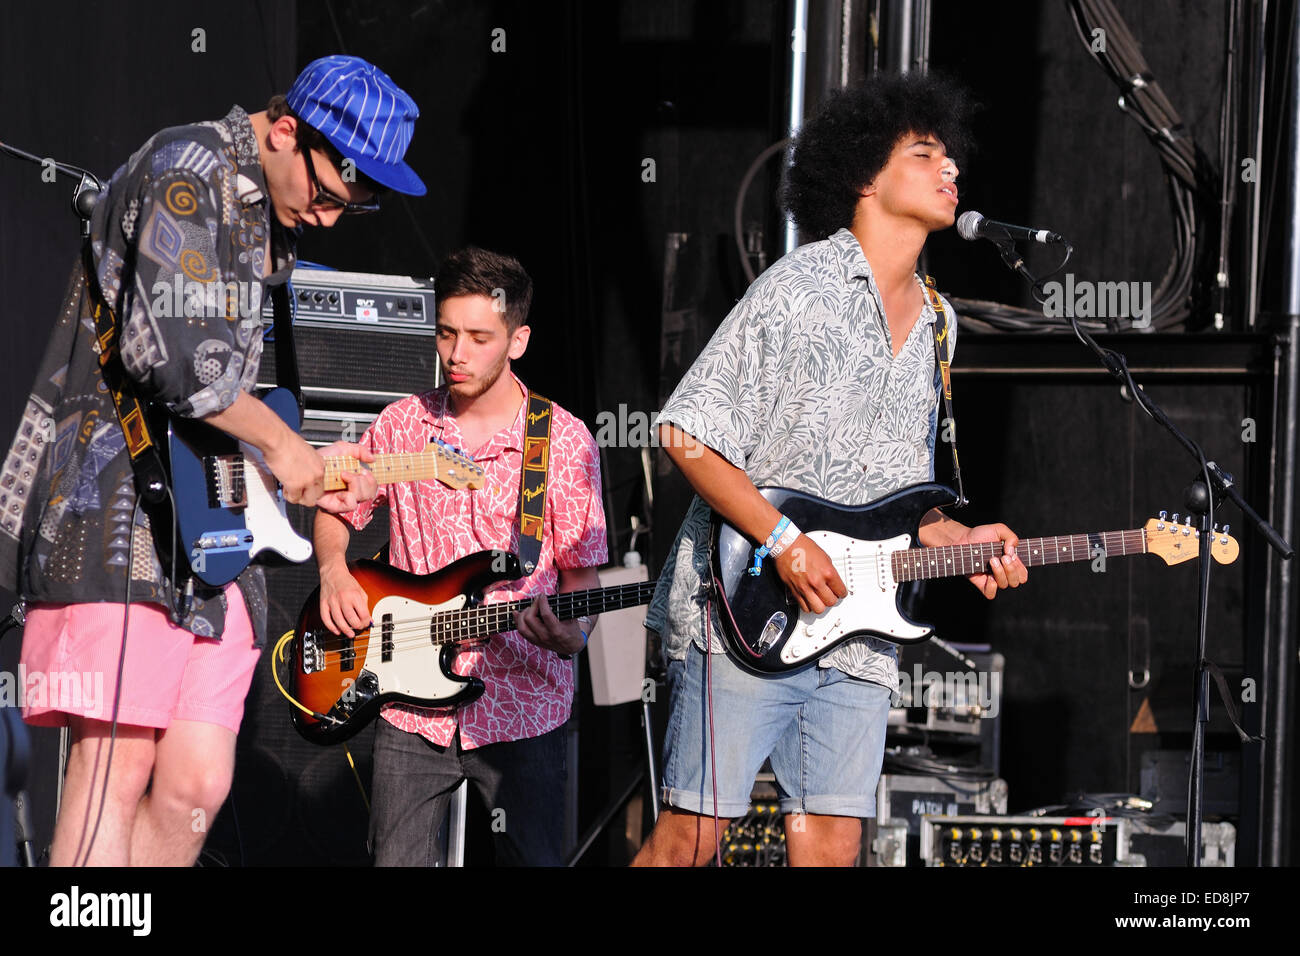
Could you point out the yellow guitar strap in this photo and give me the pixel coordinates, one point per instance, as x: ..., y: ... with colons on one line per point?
x: 532, y: 480
x: 948, y: 426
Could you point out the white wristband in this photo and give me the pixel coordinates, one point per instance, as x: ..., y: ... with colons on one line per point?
x: 788, y: 537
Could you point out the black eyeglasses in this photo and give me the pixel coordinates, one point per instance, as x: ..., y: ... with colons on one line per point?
x: 324, y: 199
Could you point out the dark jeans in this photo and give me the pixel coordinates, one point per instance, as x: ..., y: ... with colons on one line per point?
x: 521, y: 783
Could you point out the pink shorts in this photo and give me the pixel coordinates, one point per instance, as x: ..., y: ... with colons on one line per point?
x: 70, y: 665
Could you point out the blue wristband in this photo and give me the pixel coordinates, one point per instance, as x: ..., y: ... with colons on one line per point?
x: 766, y: 549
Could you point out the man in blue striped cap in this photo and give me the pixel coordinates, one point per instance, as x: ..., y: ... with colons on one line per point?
x: 349, y: 113
x: 182, y: 241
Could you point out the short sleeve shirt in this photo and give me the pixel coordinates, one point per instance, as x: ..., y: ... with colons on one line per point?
x: 799, y: 387
x: 529, y: 688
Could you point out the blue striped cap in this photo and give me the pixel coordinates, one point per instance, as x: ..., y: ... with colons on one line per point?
x: 364, y: 114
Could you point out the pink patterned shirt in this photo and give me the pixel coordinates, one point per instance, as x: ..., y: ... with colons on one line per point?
x: 529, y: 689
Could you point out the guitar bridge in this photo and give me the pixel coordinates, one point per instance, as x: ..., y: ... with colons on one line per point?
x: 226, y: 487
x: 313, y: 655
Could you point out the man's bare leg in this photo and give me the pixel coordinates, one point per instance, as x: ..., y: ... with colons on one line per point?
x: 681, y: 839
x: 133, y: 755
x: 192, y: 773
x: 813, y: 839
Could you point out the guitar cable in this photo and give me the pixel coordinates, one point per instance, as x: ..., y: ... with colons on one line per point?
x: 713, y: 757
x: 278, y: 655
x: 117, y: 695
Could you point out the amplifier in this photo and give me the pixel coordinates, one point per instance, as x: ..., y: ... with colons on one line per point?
x: 362, y: 340
x: 953, y: 707
x: 982, y: 841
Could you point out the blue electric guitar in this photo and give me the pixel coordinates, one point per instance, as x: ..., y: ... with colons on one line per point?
x: 230, y: 509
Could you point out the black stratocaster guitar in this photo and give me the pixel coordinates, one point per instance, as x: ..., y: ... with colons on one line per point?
x: 418, y: 623
x: 766, y: 632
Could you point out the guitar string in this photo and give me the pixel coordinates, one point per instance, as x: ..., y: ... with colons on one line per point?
x: 489, y: 618
x: 494, y: 619
x: 423, y: 630
x: 421, y: 633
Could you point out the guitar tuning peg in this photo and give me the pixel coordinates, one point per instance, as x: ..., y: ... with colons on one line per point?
x: 1224, y: 539
x: 1175, y: 521
x: 1160, y: 525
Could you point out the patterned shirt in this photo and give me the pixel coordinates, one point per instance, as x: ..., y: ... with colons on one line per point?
x: 180, y: 241
x: 529, y: 688
x: 800, y: 388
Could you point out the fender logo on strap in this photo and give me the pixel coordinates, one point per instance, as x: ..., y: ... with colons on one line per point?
x: 532, y: 480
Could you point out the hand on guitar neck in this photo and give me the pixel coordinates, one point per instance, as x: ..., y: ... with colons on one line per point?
x: 358, y: 486
x: 299, y: 468
x: 1007, y: 571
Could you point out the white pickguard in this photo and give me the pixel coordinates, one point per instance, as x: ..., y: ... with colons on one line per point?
x: 415, y: 668
x: 264, y: 513
x: 872, y: 602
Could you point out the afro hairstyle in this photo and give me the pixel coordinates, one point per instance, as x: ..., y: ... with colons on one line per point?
x: 847, y: 142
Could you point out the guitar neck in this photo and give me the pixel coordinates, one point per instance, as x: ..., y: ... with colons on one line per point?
x: 489, y: 619
x: 960, y: 560
x: 387, y: 469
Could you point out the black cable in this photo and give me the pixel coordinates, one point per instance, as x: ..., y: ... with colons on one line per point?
x: 1185, y: 166
x: 117, y: 691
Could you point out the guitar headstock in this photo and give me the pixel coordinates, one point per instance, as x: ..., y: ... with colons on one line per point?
x: 456, y: 470
x: 1176, y: 542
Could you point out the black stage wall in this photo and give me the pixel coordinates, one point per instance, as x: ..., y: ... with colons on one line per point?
x: 87, y: 84
x: 539, y: 147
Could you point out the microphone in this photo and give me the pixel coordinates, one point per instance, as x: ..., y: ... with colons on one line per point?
x: 86, y: 198
x: 971, y: 226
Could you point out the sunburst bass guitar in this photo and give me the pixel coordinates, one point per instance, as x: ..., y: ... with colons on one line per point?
x: 418, y: 624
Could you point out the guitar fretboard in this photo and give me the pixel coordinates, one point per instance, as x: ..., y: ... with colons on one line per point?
x: 389, y: 469
x: 475, y: 623
x: 914, y: 564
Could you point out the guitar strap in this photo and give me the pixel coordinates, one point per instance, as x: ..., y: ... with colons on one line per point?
x: 150, y: 475
x: 532, y: 480
x: 286, y: 358
x: 943, y: 383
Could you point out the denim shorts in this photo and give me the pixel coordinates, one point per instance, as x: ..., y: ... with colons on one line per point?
x: 823, y: 730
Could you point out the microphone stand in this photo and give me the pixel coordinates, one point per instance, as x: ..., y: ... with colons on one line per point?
x: 1206, y: 492
x: 14, y: 771
x: 15, y: 758
x: 84, y: 196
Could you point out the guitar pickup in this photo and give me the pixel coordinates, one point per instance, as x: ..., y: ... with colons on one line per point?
x: 386, y: 638
x: 347, y: 653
